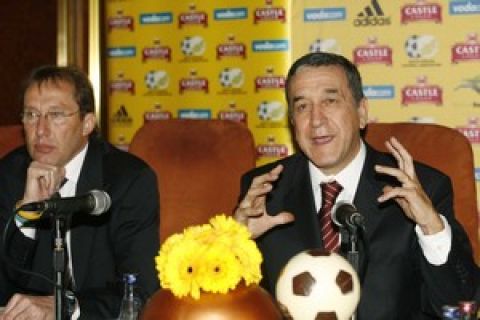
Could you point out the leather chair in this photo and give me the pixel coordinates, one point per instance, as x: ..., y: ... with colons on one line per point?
x: 445, y: 149
x: 11, y: 136
x: 198, y: 164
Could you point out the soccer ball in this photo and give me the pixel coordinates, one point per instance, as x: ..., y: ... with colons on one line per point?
x: 231, y: 78
x: 270, y: 111
x: 193, y: 46
x: 421, y: 46
x: 156, y: 80
x: 317, y: 284
x: 324, y: 45
x: 411, y: 47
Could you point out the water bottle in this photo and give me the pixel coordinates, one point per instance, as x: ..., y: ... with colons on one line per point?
x: 131, y: 302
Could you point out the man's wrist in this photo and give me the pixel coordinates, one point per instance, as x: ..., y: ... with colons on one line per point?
x: 434, y: 226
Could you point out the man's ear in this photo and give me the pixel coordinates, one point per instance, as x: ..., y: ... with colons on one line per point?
x: 363, y: 113
x: 89, y: 121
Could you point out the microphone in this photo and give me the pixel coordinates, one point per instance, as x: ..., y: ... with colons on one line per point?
x: 95, y: 202
x: 345, y: 214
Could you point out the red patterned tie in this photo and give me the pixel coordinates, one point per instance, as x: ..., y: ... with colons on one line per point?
x: 330, y: 191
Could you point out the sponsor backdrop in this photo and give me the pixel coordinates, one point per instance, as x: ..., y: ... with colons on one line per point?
x: 420, y: 61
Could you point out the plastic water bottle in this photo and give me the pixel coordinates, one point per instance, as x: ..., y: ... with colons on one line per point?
x: 131, y: 302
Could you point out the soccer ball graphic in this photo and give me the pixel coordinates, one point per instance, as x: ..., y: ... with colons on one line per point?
x: 421, y: 46
x: 231, y: 78
x: 324, y: 45
x: 193, y: 46
x: 271, y: 111
x: 156, y: 80
x: 316, y: 284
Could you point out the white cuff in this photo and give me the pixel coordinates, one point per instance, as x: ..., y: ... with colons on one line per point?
x: 436, y: 247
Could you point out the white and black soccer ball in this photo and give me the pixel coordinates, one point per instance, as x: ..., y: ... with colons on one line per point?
x: 156, y: 80
x: 263, y: 111
x: 412, y: 47
x: 423, y: 46
x: 193, y: 46
x: 231, y: 78
x: 317, y: 284
x: 316, y: 46
x: 324, y: 45
x: 225, y: 78
x: 271, y: 111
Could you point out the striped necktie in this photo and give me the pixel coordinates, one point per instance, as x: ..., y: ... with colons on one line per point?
x: 331, y: 239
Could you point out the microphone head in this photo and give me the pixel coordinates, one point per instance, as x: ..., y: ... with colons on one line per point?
x: 102, y: 202
x: 340, y: 210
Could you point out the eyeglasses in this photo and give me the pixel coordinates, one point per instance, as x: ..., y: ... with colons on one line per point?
x: 54, y: 117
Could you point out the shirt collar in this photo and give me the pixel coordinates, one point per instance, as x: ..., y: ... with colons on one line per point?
x: 73, y: 167
x: 348, y: 177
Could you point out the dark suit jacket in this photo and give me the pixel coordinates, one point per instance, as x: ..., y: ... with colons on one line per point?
x: 397, y: 280
x: 124, y: 239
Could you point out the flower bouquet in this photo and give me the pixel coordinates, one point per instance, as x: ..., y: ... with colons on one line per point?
x: 210, y: 269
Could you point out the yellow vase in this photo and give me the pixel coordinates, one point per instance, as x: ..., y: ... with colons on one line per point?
x: 243, y: 303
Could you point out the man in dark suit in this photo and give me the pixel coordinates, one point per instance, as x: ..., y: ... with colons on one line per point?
x: 414, y: 257
x: 61, y: 144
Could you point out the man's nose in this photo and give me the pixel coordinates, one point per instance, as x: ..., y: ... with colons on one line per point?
x: 43, y: 125
x: 318, y: 116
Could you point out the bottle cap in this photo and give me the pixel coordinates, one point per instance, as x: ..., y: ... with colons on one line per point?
x: 130, y: 278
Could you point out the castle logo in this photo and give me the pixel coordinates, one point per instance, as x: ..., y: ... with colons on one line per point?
x: 422, y: 92
x: 371, y: 15
x: 157, y: 51
x: 468, y: 50
x: 372, y: 53
x: 233, y: 113
x: 272, y: 149
x: 157, y: 114
x: 421, y: 11
x: 193, y: 83
x: 193, y: 17
x: 121, y: 85
x: 269, y: 81
x: 231, y: 48
x: 471, y: 130
x: 120, y: 21
x: 269, y: 13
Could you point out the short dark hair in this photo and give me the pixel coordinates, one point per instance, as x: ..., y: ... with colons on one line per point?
x: 318, y: 59
x: 83, y: 91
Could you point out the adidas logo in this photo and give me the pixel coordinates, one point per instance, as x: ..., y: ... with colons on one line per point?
x: 121, y: 116
x: 371, y: 15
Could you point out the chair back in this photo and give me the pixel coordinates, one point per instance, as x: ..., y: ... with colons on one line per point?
x: 11, y: 136
x: 445, y: 149
x: 198, y: 164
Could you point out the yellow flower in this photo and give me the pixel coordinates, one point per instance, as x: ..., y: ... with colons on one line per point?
x: 220, y: 270
x: 182, y: 268
x: 212, y: 257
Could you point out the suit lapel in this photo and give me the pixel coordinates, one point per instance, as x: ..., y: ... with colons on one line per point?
x: 299, y: 200
x: 82, y: 229
x: 369, y: 189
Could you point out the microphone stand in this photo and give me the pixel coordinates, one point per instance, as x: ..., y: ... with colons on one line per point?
x: 59, y: 266
x: 353, y: 254
x: 351, y: 233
